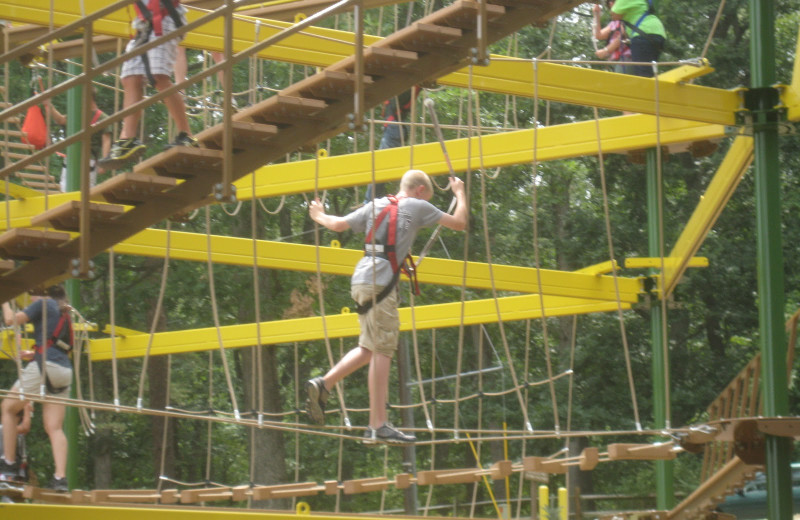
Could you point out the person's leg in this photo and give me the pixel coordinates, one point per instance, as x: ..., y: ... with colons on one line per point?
x: 53, y: 419
x: 132, y: 88
x: 175, y: 104
x: 181, y: 66
x: 352, y: 361
x: 10, y: 408
x: 378, y: 382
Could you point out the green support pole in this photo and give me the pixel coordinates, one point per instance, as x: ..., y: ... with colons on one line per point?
x: 761, y: 101
x: 74, y: 111
x: 665, y: 496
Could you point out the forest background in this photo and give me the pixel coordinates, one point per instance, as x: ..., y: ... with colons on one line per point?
x: 712, y: 322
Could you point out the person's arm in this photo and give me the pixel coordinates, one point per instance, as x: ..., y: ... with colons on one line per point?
x: 332, y: 222
x: 608, y: 50
x: 20, y: 318
x: 57, y: 116
x: 600, y: 32
x: 458, y: 220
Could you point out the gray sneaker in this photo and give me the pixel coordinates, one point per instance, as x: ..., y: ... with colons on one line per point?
x: 390, y: 435
x: 369, y: 436
x: 317, y: 399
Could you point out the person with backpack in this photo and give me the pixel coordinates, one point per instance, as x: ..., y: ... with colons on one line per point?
x: 49, y: 312
x: 645, y: 30
x: 154, y: 19
x: 395, y: 220
x: 616, y: 48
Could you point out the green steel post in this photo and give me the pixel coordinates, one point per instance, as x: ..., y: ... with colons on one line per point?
x: 665, y: 496
x: 74, y: 111
x: 762, y: 101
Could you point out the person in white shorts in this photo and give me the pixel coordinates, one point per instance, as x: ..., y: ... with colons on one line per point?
x: 156, y: 65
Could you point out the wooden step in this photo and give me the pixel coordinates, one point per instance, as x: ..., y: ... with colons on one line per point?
x: 36, y: 167
x: 425, y: 37
x: 37, y: 185
x: 283, y: 110
x: 378, y: 60
x: 19, y: 146
x: 12, y: 133
x: 329, y: 85
x: 10, y: 121
x: 73, y: 48
x: 183, y: 162
x: 132, y: 188
x: 245, y: 135
x: 6, y: 266
x: 464, y: 14
x: 67, y: 217
x: 35, y: 176
x: 27, y: 244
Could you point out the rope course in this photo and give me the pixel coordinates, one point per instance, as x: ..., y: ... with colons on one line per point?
x: 470, y: 402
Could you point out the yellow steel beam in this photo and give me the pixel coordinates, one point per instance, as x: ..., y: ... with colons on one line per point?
x: 618, y: 135
x: 322, y: 47
x: 299, y: 257
x: 720, y: 189
x: 791, y: 95
x: 346, y: 325
x: 667, y: 262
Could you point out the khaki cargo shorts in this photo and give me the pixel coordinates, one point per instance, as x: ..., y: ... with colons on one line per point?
x: 380, y: 326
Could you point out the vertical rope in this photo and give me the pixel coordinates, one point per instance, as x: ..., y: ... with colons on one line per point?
x: 611, y: 256
x: 215, y: 312
x: 113, y: 318
x: 535, y: 204
x: 489, y: 262
x: 164, y: 436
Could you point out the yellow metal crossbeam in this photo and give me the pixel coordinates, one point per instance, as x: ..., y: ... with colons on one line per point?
x: 346, y: 325
x: 667, y: 262
x: 720, y: 189
x: 323, y: 47
x: 618, y: 135
x: 299, y: 257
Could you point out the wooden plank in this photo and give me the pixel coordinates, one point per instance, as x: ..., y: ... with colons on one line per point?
x: 184, y: 162
x: 424, y: 37
x: 658, y: 451
x: 191, y: 496
x: 464, y: 14
x: 544, y: 465
x: 282, y: 109
x: 27, y: 244
x: 245, y: 135
x: 299, y: 489
x: 365, y: 485
x: 327, y: 85
x: 448, y: 476
x: 67, y: 217
x: 132, y: 188
x: 145, y: 496
x: 38, y: 185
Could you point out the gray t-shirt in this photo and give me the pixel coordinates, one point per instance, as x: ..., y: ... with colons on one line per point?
x: 412, y: 215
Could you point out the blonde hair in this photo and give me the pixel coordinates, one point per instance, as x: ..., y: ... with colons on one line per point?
x: 413, y: 178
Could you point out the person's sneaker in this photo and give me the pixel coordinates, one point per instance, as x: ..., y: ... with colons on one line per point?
x: 8, y: 472
x: 369, y: 436
x: 58, y: 485
x: 317, y: 399
x: 184, y: 139
x: 123, y: 151
x: 391, y: 435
